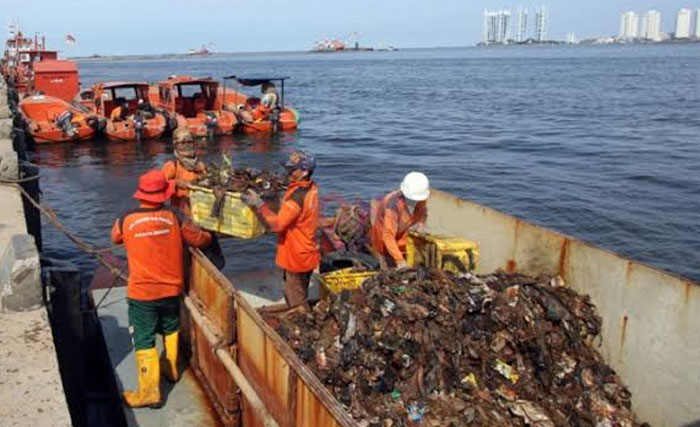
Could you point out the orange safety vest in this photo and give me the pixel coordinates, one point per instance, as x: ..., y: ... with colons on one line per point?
x: 391, y: 222
x: 153, y: 237
x: 296, y: 225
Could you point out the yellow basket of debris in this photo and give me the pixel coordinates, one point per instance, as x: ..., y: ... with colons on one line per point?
x: 338, y: 281
x: 447, y: 253
x: 235, y: 218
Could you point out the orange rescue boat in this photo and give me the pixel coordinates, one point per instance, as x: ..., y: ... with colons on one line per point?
x: 267, y: 114
x: 52, y: 119
x: 127, y: 110
x: 196, y: 103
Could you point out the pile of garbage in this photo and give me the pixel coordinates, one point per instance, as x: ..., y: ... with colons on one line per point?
x: 223, y: 176
x: 429, y: 348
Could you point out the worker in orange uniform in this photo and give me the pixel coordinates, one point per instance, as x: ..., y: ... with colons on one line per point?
x: 296, y: 223
x: 153, y: 236
x: 119, y: 112
x: 395, y: 215
x: 184, y: 169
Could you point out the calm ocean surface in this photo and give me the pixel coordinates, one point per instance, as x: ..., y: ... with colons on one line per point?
x: 601, y: 143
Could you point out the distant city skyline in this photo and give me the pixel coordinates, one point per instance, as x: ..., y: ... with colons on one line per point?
x: 686, y: 25
x: 176, y: 26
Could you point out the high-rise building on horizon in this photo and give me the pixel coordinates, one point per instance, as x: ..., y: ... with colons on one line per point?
x: 629, y: 25
x: 521, y: 32
x: 697, y: 24
x: 541, y: 25
x: 496, y: 27
x: 683, y: 23
x: 651, y: 26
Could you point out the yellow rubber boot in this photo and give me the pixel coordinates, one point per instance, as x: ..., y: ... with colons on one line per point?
x: 148, y: 393
x: 169, y: 358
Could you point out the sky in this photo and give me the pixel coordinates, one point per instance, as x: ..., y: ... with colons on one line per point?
x: 174, y: 26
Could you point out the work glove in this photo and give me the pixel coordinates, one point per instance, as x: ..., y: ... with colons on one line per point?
x: 251, y: 198
x: 400, y: 265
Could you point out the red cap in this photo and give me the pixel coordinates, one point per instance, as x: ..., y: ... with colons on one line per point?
x: 154, y: 187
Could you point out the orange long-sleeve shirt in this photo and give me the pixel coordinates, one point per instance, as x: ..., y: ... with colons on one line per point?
x: 296, y: 224
x: 392, y: 220
x: 173, y: 170
x: 153, y: 237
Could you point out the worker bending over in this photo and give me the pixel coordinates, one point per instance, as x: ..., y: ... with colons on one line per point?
x: 153, y: 236
x: 395, y: 215
x: 268, y: 102
x: 120, y: 112
x: 296, y: 223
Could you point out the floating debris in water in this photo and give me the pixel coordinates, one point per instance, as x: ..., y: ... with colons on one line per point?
x: 446, y: 350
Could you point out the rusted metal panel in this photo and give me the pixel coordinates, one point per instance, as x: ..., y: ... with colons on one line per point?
x: 223, y: 388
x: 216, y: 298
x: 311, y: 412
x: 266, y: 370
x: 650, y: 317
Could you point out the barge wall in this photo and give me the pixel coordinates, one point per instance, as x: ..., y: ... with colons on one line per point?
x: 32, y: 391
x: 650, y: 317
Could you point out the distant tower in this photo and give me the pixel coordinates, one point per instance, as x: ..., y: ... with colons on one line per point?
x: 504, y: 26
x: 629, y: 25
x: 651, y: 26
x: 496, y: 27
x: 521, y: 31
x: 541, y: 24
x: 491, y: 32
x: 697, y: 24
x: 683, y: 23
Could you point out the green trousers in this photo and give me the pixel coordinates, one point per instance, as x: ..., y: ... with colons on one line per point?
x: 147, y: 318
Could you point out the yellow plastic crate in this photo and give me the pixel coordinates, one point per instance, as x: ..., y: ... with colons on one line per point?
x: 338, y: 281
x: 237, y: 219
x: 441, y: 252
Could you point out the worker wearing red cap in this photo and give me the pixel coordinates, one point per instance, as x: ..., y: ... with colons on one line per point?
x: 395, y: 215
x: 153, y: 236
x: 296, y: 223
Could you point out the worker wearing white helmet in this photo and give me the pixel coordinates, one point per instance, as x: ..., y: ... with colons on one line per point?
x: 395, y: 215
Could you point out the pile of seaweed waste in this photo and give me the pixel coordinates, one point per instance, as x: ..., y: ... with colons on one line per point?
x: 224, y: 176
x: 428, y: 348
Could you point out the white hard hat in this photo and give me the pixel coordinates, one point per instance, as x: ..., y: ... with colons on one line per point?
x: 415, y: 186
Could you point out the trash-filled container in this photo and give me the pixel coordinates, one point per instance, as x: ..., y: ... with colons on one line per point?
x: 441, y: 252
x: 235, y: 218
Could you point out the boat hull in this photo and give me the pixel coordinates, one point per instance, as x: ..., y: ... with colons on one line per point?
x: 43, y: 116
x: 201, y: 127
x: 125, y: 130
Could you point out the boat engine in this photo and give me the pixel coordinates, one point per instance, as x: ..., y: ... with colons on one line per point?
x: 138, y: 124
x: 65, y: 123
x: 211, y: 122
x: 275, y: 119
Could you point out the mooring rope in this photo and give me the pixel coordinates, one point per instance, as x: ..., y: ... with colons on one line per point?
x: 79, y: 243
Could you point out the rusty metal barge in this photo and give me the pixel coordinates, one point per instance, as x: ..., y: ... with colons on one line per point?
x: 251, y: 377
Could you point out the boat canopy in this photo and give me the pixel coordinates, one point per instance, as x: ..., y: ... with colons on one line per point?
x: 254, y: 81
x: 114, y: 85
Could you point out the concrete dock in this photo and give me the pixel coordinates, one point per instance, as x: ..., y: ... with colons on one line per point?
x: 31, y: 391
